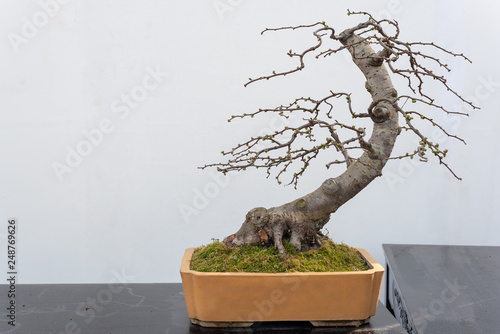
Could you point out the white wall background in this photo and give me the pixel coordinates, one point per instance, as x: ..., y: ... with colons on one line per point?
x: 130, y: 207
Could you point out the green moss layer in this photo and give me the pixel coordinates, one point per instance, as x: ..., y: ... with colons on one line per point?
x: 217, y: 257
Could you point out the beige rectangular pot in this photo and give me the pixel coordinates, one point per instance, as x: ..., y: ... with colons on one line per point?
x: 239, y: 299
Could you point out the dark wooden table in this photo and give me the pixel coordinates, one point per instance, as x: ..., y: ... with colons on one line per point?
x: 444, y: 289
x: 135, y: 309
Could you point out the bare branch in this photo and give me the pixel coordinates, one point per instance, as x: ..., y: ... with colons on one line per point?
x: 284, y: 147
x: 299, y: 55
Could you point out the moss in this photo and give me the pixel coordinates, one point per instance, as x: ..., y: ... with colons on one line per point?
x: 301, y: 203
x: 217, y: 257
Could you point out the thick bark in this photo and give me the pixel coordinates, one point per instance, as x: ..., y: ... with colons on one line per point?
x: 301, y: 220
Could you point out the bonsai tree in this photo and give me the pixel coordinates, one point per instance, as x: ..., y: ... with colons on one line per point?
x: 377, y: 51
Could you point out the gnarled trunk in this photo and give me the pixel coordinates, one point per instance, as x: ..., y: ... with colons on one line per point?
x: 301, y: 220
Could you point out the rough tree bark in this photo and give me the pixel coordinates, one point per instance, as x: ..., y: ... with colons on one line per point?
x: 300, y: 221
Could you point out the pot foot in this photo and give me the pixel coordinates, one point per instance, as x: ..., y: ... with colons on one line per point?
x: 340, y: 323
x: 220, y: 324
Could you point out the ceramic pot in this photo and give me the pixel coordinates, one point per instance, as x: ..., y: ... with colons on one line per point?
x: 232, y: 299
